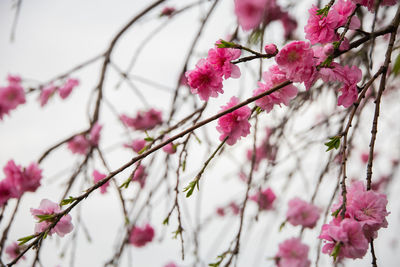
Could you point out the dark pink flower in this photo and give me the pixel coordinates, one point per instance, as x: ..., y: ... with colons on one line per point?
x: 97, y: 176
x: 292, y: 253
x: 169, y: 148
x: 270, y: 49
x: 221, y: 59
x: 371, y: 3
x: 11, y: 96
x: 136, y: 145
x: 168, y: 11
x: 205, y: 80
x: 46, y: 93
x: 234, y: 125
x: 250, y: 13
x: 264, y: 199
x: 347, y: 234
x: 221, y: 211
x: 140, y: 175
x: 144, y: 120
x: 302, y: 213
x: 79, y: 145
x: 344, y: 8
x: 140, y: 236
x: 7, y: 191
x: 94, y: 135
x: 47, y: 207
x: 320, y: 28
x: 66, y: 89
x: 234, y: 207
x: 31, y: 177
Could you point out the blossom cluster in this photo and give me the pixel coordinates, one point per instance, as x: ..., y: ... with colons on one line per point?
x: 80, y: 144
x: 11, y: 96
x: 144, y: 120
x: 292, y: 253
x: 140, y: 236
x: 64, y: 90
x: 365, y: 214
x: 19, y: 180
x: 264, y: 198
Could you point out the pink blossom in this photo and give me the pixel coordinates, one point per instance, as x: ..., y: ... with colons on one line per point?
x: 168, y: 11
x: 140, y: 175
x: 221, y: 59
x: 380, y: 184
x: 94, y: 135
x: 205, y: 80
x: 144, y: 120
x: 79, y: 145
x: 13, y: 250
x: 31, y: 177
x: 140, y: 236
x: 97, y: 176
x: 296, y: 59
x: 349, y: 91
x: 46, y: 93
x: 292, y: 253
x: 344, y: 9
x: 320, y: 28
x: 47, y: 207
x: 347, y: 234
x: 7, y: 191
x: 136, y: 145
x: 270, y: 49
x: 66, y: 89
x: 371, y: 3
x: 365, y: 156
x: 234, y: 207
x: 11, y: 96
x: 14, y: 179
x: 169, y: 148
x: 13, y: 78
x: 221, y: 212
x: 234, y: 125
x: 273, y: 77
x: 264, y: 199
x: 171, y: 264
x: 249, y: 13
x: 302, y: 213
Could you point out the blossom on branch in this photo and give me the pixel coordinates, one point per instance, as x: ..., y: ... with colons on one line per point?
x: 292, y: 253
x: 140, y: 236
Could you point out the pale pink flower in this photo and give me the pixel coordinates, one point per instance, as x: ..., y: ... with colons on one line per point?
x: 221, y: 59
x: 66, y: 89
x: 97, y: 176
x: 273, y: 77
x: 13, y: 250
x: 169, y: 148
x: 79, y: 145
x: 205, y: 80
x: 270, y: 49
x: 140, y: 175
x: 296, y: 59
x: 234, y: 207
x: 264, y: 199
x: 292, y: 253
x: 144, y: 120
x: 31, y: 177
x: 47, y: 207
x: 136, y: 145
x: 349, y: 234
x: 250, y: 13
x: 13, y: 78
x: 94, y: 135
x: 46, y: 93
x: 321, y: 29
x: 140, y: 236
x: 234, y: 125
x: 302, y: 213
x: 371, y: 3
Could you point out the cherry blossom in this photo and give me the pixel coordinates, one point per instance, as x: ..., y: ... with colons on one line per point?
x: 140, y: 236
x: 97, y: 176
x: 79, y: 145
x: 221, y: 59
x: 302, y: 213
x: 264, y: 199
x: 66, y: 89
x: 136, y: 145
x: 292, y: 253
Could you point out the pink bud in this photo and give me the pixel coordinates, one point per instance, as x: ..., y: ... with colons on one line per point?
x: 271, y: 49
x: 328, y: 49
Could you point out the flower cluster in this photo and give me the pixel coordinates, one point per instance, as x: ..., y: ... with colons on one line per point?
x: 97, y: 176
x: 11, y: 96
x: 365, y: 214
x: 292, y: 253
x: 13, y: 250
x: 140, y: 236
x: 234, y: 125
x: 144, y: 120
x: 46, y: 214
x: 265, y: 199
x: 206, y: 79
x: 19, y: 180
x: 64, y: 90
x: 302, y: 213
x: 81, y: 144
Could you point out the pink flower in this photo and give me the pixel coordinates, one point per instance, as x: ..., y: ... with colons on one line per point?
x: 11, y: 96
x: 205, y: 80
x: 13, y: 78
x: 349, y: 92
x: 344, y: 8
x: 221, y: 59
x: 296, y: 59
x: 79, y: 145
x: 31, y: 177
x: 140, y: 236
x: 321, y: 29
x: 94, y: 135
x: 371, y: 3
x: 292, y: 253
x: 273, y: 77
x: 249, y: 13
x: 47, y: 207
x: 67, y: 88
x: 302, y: 213
x: 270, y: 49
x: 171, y: 264
x: 168, y: 11
x: 221, y: 212
x: 347, y: 234
x: 264, y: 199
x: 136, y: 145
x: 13, y: 250
x: 46, y: 93
x: 234, y: 125
x: 7, y: 191
x: 169, y: 148
x: 97, y: 176
x: 140, y: 175
x: 144, y: 120
x: 235, y: 208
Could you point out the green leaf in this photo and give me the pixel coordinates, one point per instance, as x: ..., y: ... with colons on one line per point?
x: 126, y: 183
x: 143, y: 149
x: 323, y: 11
x: 190, y: 188
x: 336, y: 212
x: 67, y: 201
x: 336, y: 250
x: 183, y: 165
x: 45, y: 217
x: 25, y: 239
x: 396, y: 66
x: 333, y: 143
x: 225, y: 44
x: 177, y: 232
x: 166, y: 221
x: 281, y: 226
x: 149, y: 139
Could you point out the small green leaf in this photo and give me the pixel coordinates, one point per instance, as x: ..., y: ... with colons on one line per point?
x: 177, y: 232
x: 183, y: 165
x: 282, y: 225
x: 143, y: 149
x: 225, y: 44
x: 25, y: 239
x: 259, y: 110
x: 67, y: 201
x: 323, y: 11
x: 333, y: 143
x: 336, y: 212
x: 166, y: 221
x: 396, y: 66
x: 190, y: 188
x: 126, y: 183
x: 149, y: 139
x: 336, y: 250
x: 45, y: 217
